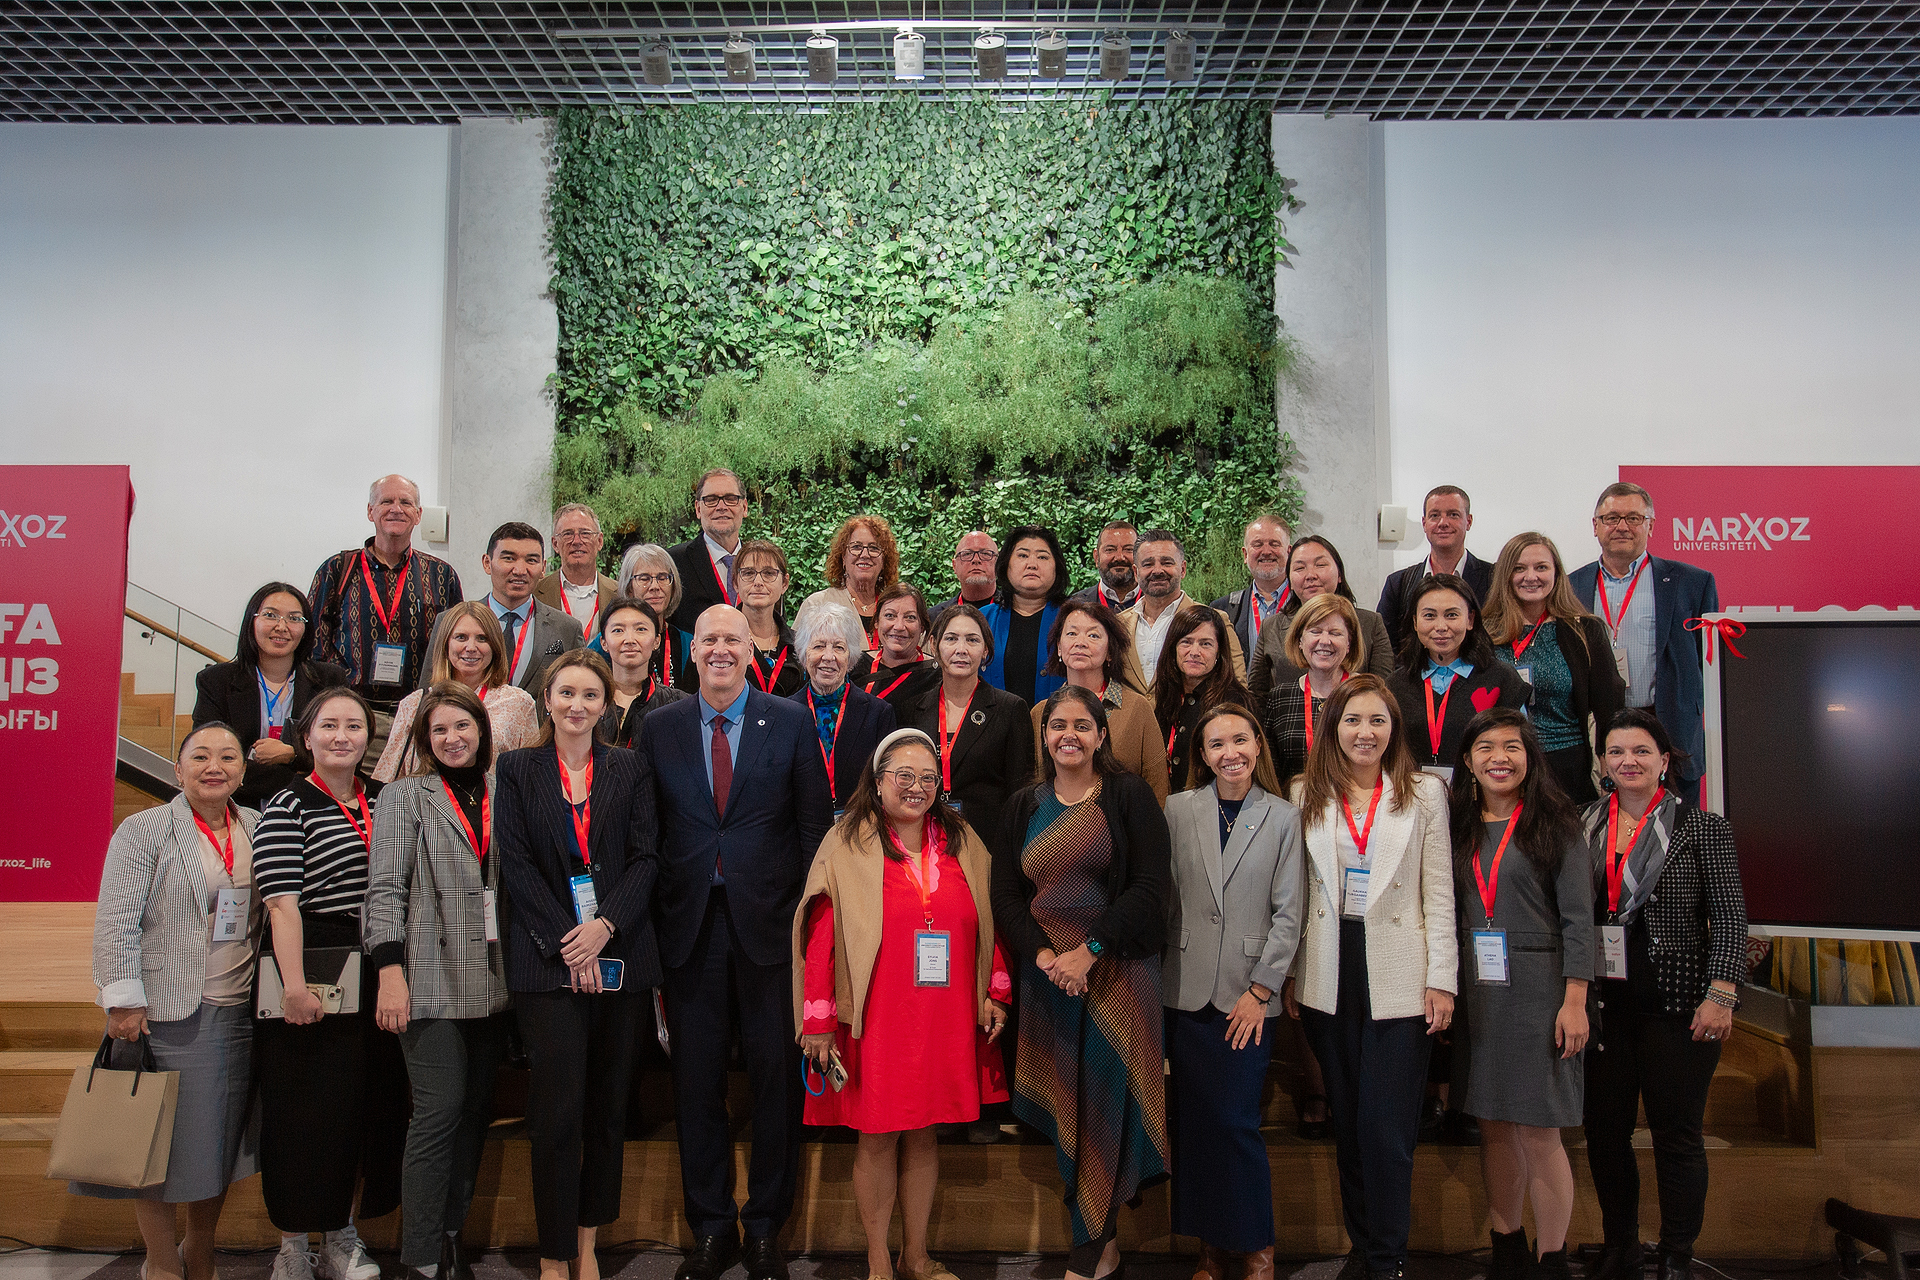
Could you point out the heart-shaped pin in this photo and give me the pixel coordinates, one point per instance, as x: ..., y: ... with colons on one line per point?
x: 1484, y: 698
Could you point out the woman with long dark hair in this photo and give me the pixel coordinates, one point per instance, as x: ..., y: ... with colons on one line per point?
x: 1090, y: 647
x: 1446, y: 672
x: 1195, y: 674
x: 1526, y: 928
x: 632, y: 632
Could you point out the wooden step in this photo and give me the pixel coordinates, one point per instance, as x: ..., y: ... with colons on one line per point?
x: 157, y: 738
x: 34, y: 1081
x: 126, y: 684
x: 146, y: 708
x: 49, y: 1024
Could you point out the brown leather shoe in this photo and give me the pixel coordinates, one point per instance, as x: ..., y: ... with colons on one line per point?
x: 1260, y: 1264
x: 1212, y: 1265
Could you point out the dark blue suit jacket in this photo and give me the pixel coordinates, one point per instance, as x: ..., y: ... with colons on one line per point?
x: 533, y: 835
x: 777, y: 814
x: 868, y: 720
x: 1680, y: 591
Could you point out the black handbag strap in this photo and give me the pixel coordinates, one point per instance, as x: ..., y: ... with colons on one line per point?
x: 102, y: 1061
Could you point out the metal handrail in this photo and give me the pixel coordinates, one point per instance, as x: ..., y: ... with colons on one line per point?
x: 176, y: 637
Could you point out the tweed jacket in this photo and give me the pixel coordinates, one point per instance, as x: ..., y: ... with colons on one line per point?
x: 1269, y: 667
x: 1409, y: 917
x: 150, y: 928
x: 1235, y: 912
x: 1138, y: 678
x: 425, y: 904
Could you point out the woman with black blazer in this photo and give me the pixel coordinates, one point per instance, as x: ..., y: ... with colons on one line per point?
x: 828, y: 637
x: 1538, y: 625
x: 1447, y: 674
x: 1673, y: 925
x: 575, y: 825
x: 984, y: 734
x: 266, y: 688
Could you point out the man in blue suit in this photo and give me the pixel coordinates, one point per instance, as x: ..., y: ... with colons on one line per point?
x: 741, y: 795
x: 1645, y: 604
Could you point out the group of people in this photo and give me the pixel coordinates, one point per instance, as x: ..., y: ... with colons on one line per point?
x: 1067, y: 852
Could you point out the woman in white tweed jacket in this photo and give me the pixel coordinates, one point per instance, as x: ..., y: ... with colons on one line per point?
x: 1377, y: 966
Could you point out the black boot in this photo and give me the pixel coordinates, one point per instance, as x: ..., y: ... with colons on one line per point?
x: 454, y: 1263
x: 1551, y: 1266
x: 1511, y: 1256
x: 1619, y: 1262
x: 1675, y: 1264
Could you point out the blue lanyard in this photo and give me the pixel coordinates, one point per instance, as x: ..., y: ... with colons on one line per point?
x: 271, y: 700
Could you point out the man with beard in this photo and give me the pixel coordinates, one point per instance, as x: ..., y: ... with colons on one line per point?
x: 1264, y: 546
x: 973, y: 558
x: 1162, y: 568
x: 1113, y: 557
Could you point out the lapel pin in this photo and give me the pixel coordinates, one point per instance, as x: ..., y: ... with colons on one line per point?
x: 761, y: 723
x: 978, y: 717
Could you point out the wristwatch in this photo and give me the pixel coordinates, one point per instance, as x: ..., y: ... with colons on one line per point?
x: 1096, y: 948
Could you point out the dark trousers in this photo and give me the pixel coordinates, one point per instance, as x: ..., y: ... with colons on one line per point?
x: 451, y: 1063
x: 1376, y: 1073
x: 701, y: 1032
x: 581, y: 1047
x: 1222, y: 1182
x: 1656, y: 1059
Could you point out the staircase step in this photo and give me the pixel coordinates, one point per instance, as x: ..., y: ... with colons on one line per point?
x: 34, y: 1081
x: 154, y: 737
x: 40, y: 1025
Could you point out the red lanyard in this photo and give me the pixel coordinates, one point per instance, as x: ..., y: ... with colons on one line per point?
x: 1520, y: 645
x: 931, y: 844
x: 946, y: 743
x: 1279, y: 603
x: 1362, y: 835
x: 1490, y: 885
x: 766, y: 683
x: 1617, y: 863
x: 519, y: 643
x: 1437, y: 722
x: 666, y: 659
x: 224, y: 850
x: 1600, y: 587
x: 713, y: 564
x: 882, y: 695
x: 581, y: 811
x: 479, y: 844
x: 1306, y: 691
x: 826, y: 753
x: 386, y: 613
x: 363, y: 829
x: 566, y: 602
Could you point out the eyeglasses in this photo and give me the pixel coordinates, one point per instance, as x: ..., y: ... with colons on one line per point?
x: 576, y: 535
x: 269, y: 617
x: 1629, y: 521
x: 722, y: 500
x: 863, y: 548
x: 651, y: 579
x: 974, y: 557
x: 757, y: 575
x: 908, y: 780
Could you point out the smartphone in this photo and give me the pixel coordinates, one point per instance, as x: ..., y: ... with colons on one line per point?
x: 611, y: 972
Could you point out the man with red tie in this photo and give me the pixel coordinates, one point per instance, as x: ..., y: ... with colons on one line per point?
x: 741, y: 795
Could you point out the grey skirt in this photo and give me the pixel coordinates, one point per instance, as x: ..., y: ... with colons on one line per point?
x: 1504, y: 1064
x: 213, y: 1142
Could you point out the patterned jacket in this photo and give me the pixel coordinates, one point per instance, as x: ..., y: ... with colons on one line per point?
x: 346, y: 625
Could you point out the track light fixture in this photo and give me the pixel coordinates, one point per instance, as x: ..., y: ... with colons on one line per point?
x: 1179, y: 56
x: 656, y: 63
x: 823, y: 57
x: 1052, y: 48
x: 738, y: 56
x: 1116, y: 55
x: 909, y: 55
x: 990, y: 56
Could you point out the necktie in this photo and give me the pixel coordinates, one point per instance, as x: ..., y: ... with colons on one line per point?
x: 722, y: 764
x: 726, y: 566
x: 512, y: 623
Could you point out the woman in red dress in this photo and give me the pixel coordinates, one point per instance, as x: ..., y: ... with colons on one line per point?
x: 898, y: 980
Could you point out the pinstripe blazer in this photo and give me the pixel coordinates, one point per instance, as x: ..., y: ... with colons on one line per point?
x: 425, y: 897
x: 150, y: 928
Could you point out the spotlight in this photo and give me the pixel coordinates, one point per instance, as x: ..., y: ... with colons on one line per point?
x: 1052, y: 48
x: 738, y: 55
x: 1179, y: 56
x: 909, y: 55
x: 990, y: 56
x: 823, y: 57
x: 1116, y: 55
x: 655, y: 64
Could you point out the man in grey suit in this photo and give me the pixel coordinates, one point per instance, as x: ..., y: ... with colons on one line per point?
x: 536, y: 633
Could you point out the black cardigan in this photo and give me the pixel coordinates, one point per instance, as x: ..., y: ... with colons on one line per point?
x: 230, y: 692
x: 1139, y: 882
x: 1411, y: 693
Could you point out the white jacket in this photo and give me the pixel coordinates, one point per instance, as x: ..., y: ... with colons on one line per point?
x: 1411, y: 943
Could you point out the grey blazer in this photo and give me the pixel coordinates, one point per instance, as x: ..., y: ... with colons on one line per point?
x: 150, y: 928
x: 1234, y: 917
x: 425, y: 905
x: 554, y: 633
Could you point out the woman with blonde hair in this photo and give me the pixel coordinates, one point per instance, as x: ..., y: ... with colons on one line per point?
x: 1538, y: 625
x: 1325, y: 642
x: 473, y: 653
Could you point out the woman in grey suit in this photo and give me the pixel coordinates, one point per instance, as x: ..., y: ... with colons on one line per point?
x: 433, y: 935
x: 174, y: 943
x: 1235, y: 921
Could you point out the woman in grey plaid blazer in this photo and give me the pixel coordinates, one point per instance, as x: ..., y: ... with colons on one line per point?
x: 432, y: 934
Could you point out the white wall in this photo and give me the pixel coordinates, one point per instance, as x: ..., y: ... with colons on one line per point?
x: 1564, y: 298
x: 252, y: 317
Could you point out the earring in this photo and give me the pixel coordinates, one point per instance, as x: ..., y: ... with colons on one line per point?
x: 1663, y: 775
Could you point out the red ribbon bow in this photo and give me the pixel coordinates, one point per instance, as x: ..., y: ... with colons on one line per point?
x: 1718, y: 628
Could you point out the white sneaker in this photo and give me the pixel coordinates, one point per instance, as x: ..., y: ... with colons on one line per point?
x: 293, y: 1262
x: 344, y: 1257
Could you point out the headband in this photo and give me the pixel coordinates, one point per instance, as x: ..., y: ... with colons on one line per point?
x: 902, y: 735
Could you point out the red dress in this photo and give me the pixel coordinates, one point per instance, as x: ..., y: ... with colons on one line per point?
x: 921, y: 1047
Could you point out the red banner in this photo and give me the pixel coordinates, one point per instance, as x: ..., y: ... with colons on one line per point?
x: 63, y: 590
x: 1789, y: 537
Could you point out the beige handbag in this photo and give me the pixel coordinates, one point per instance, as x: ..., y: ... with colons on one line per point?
x: 116, y: 1129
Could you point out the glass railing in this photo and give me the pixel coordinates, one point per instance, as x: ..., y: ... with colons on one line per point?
x: 162, y: 649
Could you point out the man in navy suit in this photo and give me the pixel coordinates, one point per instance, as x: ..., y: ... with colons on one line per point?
x: 1645, y: 604
x: 741, y: 795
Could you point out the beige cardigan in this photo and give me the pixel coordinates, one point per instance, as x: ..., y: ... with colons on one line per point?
x: 851, y: 870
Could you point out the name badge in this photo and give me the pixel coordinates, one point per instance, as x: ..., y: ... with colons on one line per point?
x: 1490, y: 957
x: 389, y: 663
x: 958, y: 807
x: 931, y: 954
x: 1353, y: 892
x: 1526, y: 673
x: 1439, y: 771
x: 230, y: 915
x: 275, y: 730
x: 585, y: 905
x: 1620, y: 661
x: 489, y: 914
x: 1613, y: 951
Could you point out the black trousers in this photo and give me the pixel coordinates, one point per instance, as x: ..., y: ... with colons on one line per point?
x: 582, y: 1052
x: 1656, y: 1059
x: 701, y: 1031
x: 1376, y: 1073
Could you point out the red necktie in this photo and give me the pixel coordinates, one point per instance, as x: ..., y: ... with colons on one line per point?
x: 722, y: 764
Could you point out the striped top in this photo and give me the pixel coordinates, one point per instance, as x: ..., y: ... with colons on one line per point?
x: 306, y: 846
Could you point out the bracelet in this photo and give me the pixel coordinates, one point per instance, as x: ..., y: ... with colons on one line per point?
x: 1263, y: 1003
x: 1724, y: 999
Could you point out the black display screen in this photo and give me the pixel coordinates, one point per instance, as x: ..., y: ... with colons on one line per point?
x: 1820, y: 726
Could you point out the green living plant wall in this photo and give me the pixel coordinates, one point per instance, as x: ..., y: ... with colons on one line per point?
x: 947, y: 313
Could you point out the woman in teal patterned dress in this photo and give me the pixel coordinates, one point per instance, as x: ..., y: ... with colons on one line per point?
x: 1081, y: 879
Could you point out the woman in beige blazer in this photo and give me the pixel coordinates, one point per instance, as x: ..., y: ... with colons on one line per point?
x: 1375, y: 974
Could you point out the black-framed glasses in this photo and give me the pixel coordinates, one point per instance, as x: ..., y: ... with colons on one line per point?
x: 1631, y: 520
x: 722, y: 500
